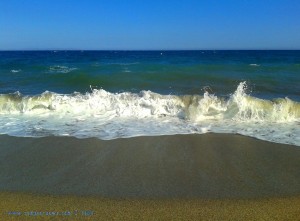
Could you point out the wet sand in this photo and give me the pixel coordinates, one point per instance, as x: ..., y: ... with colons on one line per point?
x: 180, y: 172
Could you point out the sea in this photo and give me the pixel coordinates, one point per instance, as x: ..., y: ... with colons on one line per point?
x: 120, y: 94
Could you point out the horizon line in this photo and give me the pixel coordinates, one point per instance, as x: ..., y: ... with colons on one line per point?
x: 242, y: 49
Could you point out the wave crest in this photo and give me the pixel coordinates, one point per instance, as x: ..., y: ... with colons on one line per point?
x: 239, y: 107
x: 113, y: 115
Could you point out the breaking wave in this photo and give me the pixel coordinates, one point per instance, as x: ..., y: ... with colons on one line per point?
x: 111, y: 115
x: 240, y: 106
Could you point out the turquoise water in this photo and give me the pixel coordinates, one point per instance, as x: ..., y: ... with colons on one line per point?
x: 111, y: 94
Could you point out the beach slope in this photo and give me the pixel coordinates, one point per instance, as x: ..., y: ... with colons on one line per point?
x: 184, y: 166
x: 178, y: 177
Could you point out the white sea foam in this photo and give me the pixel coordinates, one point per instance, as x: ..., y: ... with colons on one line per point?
x: 112, y: 115
x: 254, y: 65
x: 61, y: 69
x: 15, y: 71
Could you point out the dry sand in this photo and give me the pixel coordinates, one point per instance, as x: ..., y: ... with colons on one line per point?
x: 187, y: 175
x: 35, y: 207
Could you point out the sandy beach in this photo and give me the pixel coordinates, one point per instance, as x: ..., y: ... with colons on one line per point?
x: 150, y: 110
x: 188, y: 175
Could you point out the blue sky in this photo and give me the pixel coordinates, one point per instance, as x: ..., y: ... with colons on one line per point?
x: 149, y: 24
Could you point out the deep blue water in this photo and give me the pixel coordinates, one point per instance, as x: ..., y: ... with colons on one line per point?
x: 269, y: 74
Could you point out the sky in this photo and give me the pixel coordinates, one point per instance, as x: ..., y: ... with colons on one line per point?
x: 149, y: 24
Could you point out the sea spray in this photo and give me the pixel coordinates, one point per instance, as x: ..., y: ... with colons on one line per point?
x: 107, y: 115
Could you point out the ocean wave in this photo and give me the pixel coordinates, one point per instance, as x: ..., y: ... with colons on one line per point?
x: 15, y: 71
x: 111, y: 115
x: 61, y: 69
x: 240, y: 106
